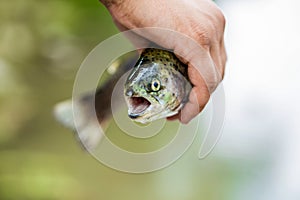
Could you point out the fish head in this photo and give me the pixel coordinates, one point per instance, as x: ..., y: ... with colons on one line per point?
x: 154, y: 91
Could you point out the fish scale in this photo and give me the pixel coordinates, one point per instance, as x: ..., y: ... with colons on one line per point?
x: 165, y: 57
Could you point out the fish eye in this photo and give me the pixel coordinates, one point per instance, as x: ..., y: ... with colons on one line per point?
x: 155, y: 85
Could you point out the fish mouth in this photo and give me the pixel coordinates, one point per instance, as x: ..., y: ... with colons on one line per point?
x: 137, y: 106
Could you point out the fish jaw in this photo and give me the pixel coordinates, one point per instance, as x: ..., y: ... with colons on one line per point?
x: 141, y: 108
x: 148, y: 117
x: 147, y: 109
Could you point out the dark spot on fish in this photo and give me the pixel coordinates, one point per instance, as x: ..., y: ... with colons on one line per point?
x: 146, y: 59
x: 148, y: 87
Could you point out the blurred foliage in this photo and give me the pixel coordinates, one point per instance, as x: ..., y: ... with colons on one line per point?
x: 42, y: 43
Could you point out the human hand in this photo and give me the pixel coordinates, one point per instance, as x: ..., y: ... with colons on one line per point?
x: 204, y: 52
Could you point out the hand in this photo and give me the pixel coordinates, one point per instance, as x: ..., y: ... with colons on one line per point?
x: 199, y: 20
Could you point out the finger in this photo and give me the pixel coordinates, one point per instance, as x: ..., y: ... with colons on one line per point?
x: 198, y: 98
x: 218, y: 55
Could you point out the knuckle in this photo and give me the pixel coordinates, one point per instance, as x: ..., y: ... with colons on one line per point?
x: 203, y: 38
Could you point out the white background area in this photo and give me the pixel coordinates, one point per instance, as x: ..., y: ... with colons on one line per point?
x: 262, y: 85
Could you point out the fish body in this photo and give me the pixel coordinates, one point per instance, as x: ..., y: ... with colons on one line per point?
x: 87, y: 128
x: 157, y: 87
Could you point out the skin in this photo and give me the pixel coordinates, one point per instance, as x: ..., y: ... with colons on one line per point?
x: 200, y: 20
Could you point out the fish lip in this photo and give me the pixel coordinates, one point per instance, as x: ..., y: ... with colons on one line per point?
x: 133, y: 116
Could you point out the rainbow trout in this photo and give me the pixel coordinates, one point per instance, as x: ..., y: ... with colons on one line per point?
x: 157, y: 87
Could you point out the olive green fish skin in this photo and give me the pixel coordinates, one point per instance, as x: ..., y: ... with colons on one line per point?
x: 157, y: 87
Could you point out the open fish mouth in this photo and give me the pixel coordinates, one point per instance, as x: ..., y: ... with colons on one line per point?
x: 137, y: 106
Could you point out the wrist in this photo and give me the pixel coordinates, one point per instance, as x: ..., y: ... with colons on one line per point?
x: 109, y: 3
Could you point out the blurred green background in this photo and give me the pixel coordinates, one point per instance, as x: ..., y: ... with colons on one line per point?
x: 42, y: 43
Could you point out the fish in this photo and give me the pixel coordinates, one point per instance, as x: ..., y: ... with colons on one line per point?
x: 157, y: 87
